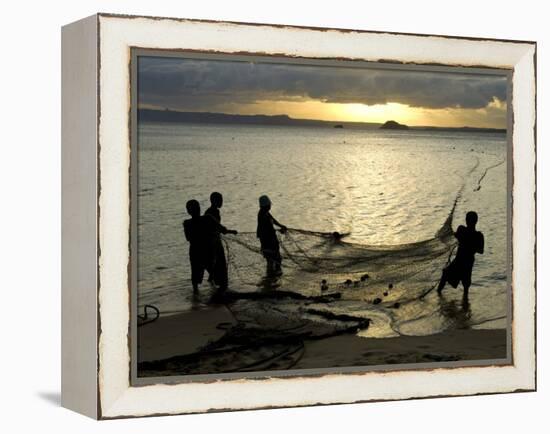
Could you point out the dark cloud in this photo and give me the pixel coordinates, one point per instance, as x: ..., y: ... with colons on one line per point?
x: 203, y: 85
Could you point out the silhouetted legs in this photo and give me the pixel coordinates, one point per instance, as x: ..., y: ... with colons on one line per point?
x: 465, y: 301
x: 273, y: 261
x: 273, y: 267
x: 466, y: 283
x: 197, y: 267
x: 219, y: 269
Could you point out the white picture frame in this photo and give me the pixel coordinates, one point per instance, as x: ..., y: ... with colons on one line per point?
x: 96, y: 293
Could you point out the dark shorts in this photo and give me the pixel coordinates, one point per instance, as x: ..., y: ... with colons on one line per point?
x: 459, y: 271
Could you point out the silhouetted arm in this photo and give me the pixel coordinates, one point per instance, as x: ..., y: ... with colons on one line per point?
x: 228, y: 231
x: 276, y: 223
x: 214, y: 224
x: 459, y: 234
x: 481, y: 246
x: 219, y: 227
x: 186, y: 231
x: 223, y: 230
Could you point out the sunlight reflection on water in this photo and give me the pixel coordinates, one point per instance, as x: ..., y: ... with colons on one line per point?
x: 384, y: 187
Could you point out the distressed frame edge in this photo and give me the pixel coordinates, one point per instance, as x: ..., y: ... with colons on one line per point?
x: 528, y: 388
x: 304, y: 27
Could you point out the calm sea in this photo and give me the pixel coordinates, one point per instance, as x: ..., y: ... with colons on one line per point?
x: 383, y: 187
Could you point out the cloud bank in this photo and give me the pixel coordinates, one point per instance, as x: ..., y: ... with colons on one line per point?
x: 206, y: 85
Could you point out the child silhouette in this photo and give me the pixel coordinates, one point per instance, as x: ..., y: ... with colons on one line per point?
x: 268, y: 237
x: 470, y: 242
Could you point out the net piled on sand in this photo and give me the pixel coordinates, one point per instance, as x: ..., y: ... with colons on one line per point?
x: 328, y: 287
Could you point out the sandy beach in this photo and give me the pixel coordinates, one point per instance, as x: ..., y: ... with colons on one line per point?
x: 211, y: 340
x: 454, y: 345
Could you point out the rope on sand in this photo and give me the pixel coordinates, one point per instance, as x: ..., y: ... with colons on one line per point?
x: 145, y: 317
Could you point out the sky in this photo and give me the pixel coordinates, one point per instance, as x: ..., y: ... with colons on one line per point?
x: 324, y: 93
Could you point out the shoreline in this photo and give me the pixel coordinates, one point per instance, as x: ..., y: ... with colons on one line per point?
x: 185, y: 344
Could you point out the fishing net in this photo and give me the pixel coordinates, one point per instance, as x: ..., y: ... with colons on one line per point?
x: 321, y: 263
x: 324, y: 264
x: 328, y: 286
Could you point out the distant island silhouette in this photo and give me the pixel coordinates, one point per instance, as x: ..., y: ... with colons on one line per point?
x: 172, y: 116
x: 393, y: 125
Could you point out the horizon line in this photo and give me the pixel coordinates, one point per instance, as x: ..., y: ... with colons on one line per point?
x: 159, y: 109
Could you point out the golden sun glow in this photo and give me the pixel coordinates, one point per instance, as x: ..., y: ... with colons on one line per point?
x: 492, y: 116
x: 377, y: 113
x: 314, y: 109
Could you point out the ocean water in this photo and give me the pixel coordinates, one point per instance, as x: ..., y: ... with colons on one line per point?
x: 384, y: 188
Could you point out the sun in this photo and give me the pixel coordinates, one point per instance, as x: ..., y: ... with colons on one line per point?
x: 349, y: 112
x: 376, y: 113
x: 492, y: 116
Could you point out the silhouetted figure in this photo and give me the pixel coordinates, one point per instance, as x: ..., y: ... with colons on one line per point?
x: 268, y: 237
x: 470, y: 242
x: 197, y: 233
x: 218, y: 263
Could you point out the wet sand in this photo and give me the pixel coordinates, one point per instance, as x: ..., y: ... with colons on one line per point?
x: 182, y: 334
x: 186, y: 344
x: 452, y: 345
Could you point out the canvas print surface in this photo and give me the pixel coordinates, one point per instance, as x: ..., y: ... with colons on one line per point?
x: 301, y: 217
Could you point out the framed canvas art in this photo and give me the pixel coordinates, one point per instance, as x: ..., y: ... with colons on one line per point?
x: 261, y: 216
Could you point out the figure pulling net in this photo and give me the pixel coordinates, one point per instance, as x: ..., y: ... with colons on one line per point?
x: 319, y: 264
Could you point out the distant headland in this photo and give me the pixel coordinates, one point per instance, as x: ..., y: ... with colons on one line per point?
x: 393, y: 125
x: 172, y: 116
